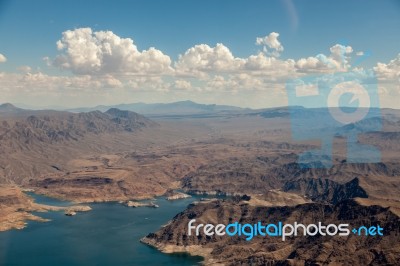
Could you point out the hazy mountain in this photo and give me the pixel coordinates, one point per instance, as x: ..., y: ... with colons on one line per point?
x: 9, y: 108
x: 175, y: 108
x: 48, y: 127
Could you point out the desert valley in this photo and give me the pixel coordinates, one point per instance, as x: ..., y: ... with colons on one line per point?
x: 113, y: 154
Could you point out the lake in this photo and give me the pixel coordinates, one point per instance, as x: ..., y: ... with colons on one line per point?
x: 107, y: 235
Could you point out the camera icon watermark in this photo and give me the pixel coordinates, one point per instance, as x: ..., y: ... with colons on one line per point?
x: 339, y: 105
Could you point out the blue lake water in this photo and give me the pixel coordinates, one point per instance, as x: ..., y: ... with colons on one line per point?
x: 107, y: 235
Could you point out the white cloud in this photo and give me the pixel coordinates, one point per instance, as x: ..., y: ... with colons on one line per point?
x: 270, y: 42
x: 337, y: 61
x: 389, y: 72
x: 216, y: 83
x: 243, y: 82
x: 269, y: 67
x: 147, y: 83
x: 103, y: 52
x: 24, y: 69
x: 101, y: 61
x: 111, y: 82
x: 182, y: 84
x: 360, y: 53
x: 201, y: 59
x: 3, y: 59
x: 40, y: 82
x: 339, y: 53
x: 319, y: 63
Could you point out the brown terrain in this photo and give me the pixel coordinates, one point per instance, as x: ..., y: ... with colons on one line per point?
x: 16, y: 208
x: 304, y: 250
x: 122, y: 156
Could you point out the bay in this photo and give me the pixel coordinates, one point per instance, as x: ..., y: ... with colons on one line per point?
x: 107, y: 235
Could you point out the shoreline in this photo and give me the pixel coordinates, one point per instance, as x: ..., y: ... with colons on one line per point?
x: 19, y: 219
x: 16, y: 216
x: 18, y: 205
x: 193, y: 250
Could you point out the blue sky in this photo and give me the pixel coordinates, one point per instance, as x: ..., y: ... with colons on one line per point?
x: 29, y: 31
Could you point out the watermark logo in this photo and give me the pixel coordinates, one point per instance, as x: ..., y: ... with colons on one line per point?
x: 342, y: 104
x: 249, y: 231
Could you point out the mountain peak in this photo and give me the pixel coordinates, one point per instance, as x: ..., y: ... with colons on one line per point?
x: 8, y: 107
x: 129, y: 119
x: 120, y: 113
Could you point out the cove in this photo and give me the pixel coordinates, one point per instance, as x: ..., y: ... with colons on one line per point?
x: 107, y: 235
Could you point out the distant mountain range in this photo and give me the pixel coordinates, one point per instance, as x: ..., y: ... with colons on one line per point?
x: 23, y: 127
x: 175, y: 108
x: 193, y: 109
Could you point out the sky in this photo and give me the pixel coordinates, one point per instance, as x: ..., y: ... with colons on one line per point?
x: 244, y: 53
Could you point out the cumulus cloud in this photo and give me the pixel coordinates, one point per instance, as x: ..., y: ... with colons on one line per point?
x: 269, y: 67
x: 40, y: 82
x: 2, y: 58
x: 182, y: 84
x: 338, y: 60
x: 24, y: 69
x: 270, y: 44
x: 217, y: 82
x: 148, y: 83
x: 389, y: 72
x: 202, y: 59
x: 101, y: 60
x: 245, y: 81
x: 319, y: 63
x: 237, y: 82
x: 102, y: 52
x: 339, y: 53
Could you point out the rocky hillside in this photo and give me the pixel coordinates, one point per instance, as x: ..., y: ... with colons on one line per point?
x: 301, y: 250
x: 326, y: 190
x: 54, y: 126
x: 33, y: 143
x: 261, y: 174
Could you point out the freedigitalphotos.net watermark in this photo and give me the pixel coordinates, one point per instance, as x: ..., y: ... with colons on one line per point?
x: 282, y: 230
